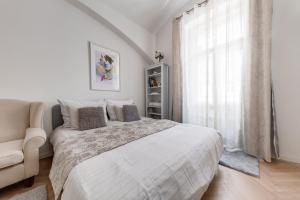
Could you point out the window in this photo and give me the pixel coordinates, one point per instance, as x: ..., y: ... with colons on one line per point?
x: 213, y: 49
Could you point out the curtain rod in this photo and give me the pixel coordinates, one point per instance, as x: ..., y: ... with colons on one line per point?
x: 188, y: 11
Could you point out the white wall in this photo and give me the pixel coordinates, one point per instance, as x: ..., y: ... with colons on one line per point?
x: 134, y: 33
x: 286, y: 75
x: 163, y: 37
x: 164, y: 42
x: 44, y: 54
x: 286, y: 71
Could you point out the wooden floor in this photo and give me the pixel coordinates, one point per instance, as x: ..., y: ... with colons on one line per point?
x: 278, y: 181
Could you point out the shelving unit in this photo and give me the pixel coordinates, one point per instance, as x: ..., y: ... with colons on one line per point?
x: 157, y: 91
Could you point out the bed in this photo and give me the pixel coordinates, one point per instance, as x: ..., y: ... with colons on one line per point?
x: 173, y: 162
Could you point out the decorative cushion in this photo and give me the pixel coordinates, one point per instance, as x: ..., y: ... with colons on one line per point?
x: 91, y: 117
x: 71, y: 109
x: 111, y: 107
x: 119, y: 113
x: 74, y: 111
x: 11, y: 153
x: 130, y: 113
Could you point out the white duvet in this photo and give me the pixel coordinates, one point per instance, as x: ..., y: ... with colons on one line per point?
x: 174, y: 164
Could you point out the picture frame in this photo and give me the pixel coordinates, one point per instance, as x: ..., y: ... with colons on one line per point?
x: 104, y: 68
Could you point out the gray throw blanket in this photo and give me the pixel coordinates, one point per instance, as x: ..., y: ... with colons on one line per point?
x: 84, y: 145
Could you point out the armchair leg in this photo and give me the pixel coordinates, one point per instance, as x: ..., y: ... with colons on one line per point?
x: 29, y: 182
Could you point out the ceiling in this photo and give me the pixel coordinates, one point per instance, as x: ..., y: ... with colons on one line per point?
x: 150, y: 14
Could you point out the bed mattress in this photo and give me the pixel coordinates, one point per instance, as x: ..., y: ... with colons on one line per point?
x: 175, y: 164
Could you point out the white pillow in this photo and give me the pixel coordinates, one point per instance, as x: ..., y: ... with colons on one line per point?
x: 111, y: 112
x: 71, y: 108
x: 111, y: 107
x: 65, y: 113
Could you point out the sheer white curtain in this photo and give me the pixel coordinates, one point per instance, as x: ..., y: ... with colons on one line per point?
x: 213, y: 50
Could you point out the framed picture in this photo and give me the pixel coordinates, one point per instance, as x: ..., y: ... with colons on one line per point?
x: 105, y: 68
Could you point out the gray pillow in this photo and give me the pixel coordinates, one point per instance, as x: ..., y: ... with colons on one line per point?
x: 91, y: 118
x: 130, y: 113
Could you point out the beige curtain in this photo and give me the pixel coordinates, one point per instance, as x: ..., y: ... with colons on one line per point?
x: 176, y: 77
x: 258, y: 137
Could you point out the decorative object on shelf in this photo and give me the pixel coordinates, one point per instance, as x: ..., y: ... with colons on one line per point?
x: 158, y: 83
x: 153, y: 82
x: 159, y: 55
x: 105, y: 68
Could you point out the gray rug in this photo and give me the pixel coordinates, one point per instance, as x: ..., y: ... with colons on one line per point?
x: 241, y: 162
x: 38, y: 193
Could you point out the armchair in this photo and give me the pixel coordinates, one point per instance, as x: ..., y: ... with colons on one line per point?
x: 21, y: 136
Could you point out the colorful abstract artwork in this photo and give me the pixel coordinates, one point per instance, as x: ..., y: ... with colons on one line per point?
x: 105, y: 68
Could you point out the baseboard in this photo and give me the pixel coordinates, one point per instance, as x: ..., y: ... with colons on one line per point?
x: 290, y: 159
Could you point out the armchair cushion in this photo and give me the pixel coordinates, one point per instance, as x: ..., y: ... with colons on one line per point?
x: 35, y: 137
x: 11, y: 153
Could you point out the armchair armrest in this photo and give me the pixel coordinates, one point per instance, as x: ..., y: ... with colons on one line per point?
x: 34, y: 139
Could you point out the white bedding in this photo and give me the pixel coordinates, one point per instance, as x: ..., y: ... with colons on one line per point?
x: 174, y: 164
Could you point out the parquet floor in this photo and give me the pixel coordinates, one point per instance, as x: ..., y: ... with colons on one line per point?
x: 279, y: 180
